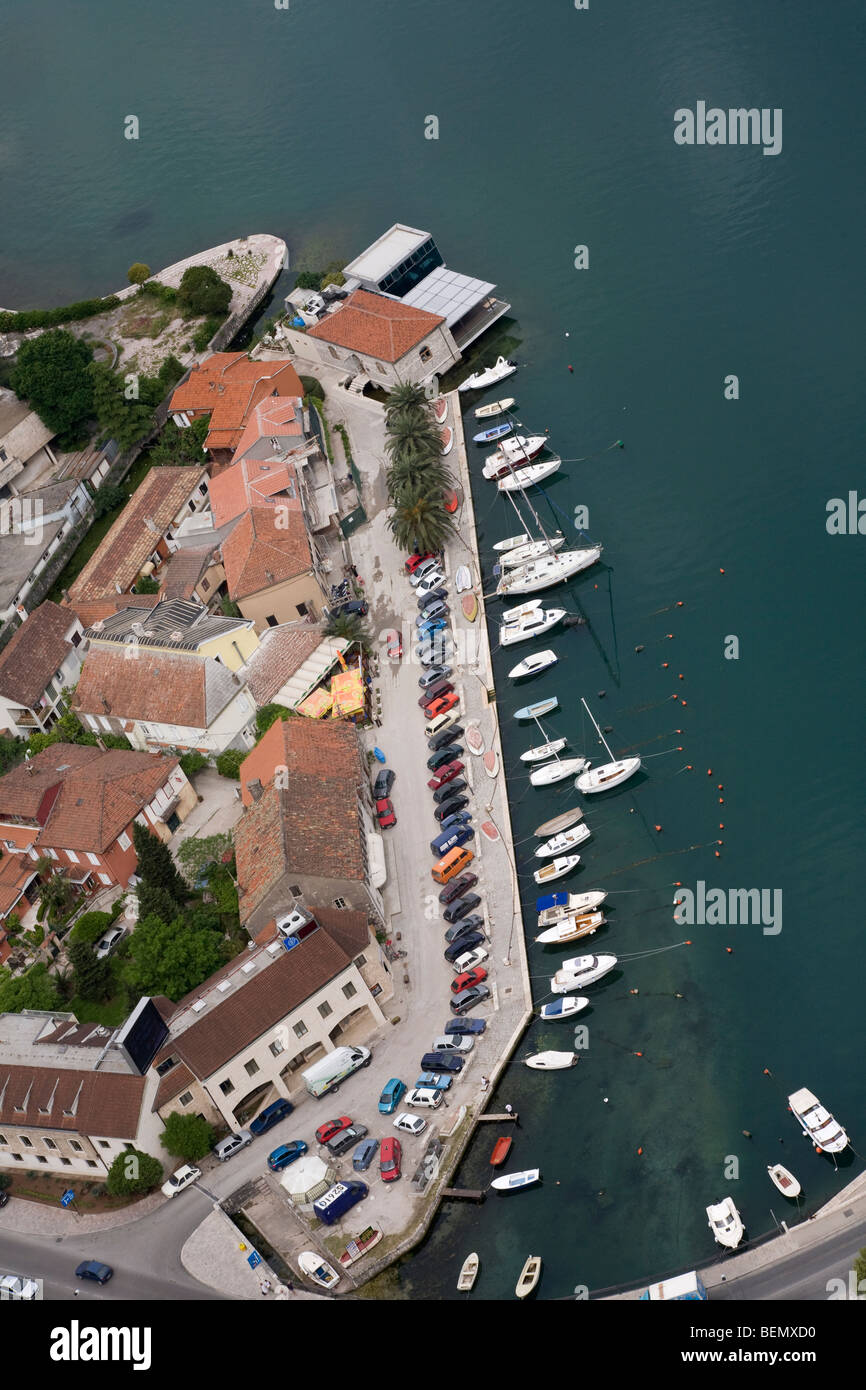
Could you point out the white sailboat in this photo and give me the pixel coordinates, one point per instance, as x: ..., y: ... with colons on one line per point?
x: 532, y: 550
x: 532, y: 665
x: 566, y: 840
x: 566, y: 904
x: 544, y: 573
x: 531, y: 474
x: 542, y: 751
x: 725, y: 1223
x: 571, y: 929
x: 581, y: 971
x: 536, y: 622
x: 488, y: 376
x: 513, y: 453
x: 557, y: 771
x: 607, y: 775
x: 557, y: 868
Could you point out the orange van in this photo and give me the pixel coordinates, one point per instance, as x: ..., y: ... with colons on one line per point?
x: 455, y: 860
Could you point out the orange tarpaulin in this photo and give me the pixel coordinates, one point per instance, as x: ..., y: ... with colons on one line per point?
x: 317, y: 705
x: 347, y: 692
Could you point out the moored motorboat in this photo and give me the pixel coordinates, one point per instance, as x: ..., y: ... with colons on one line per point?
x: 530, y: 475
x: 560, y: 822
x: 529, y: 1276
x: 725, y: 1223
x: 501, y: 1150
x: 817, y: 1123
x: 488, y: 376
x: 491, y: 762
x: 557, y: 868
x: 535, y: 711
x: 462, y: 579
x: 564, y: 1007
x: 514, y: 1182
x: 533, y: 550
x: 493, y: 433
x: 549, y: 570
x: 554, y: 906
x: 533, y: 625
x: 784, y: 1180
x: 468, y: 1273
x: 581, y: 971
x: 487, y: 412
x: 469, y: 604
x: 564, y: 841
x: 556, y: 771
x: 317, y: 1270
x: 513, y: 453
x: 474, y: 739
x: 571, y: 929
x: 532, y: 665
x: 543, y: 750
x: 551, y: 1061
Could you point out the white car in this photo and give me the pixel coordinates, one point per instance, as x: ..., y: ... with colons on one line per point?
x: 425, y: 1097
x: 468, y: 959
x: 410, y: 1124
x: 434, y: 580
x: 108, y: 942
x: 181, y: 1179
x: 451, y: 1042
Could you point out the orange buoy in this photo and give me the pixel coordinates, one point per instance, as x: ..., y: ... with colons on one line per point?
x: 709, y: 772
x: 721, y: 825
x: 665, y: 665
x: 678, y: 883
x: 669, y: 634
x: 721, y: 801
x: 640, y: 1151
x: 718, y: 856
x: 684, y: 702
x: 658, y: 827
x: 721, y: 786
x: 682, y: 677
x: 730, y: 950
x: 687, y: 943
x: 637, y: 1054
x: 689, y: 767
x: 679, y: 603
x: 721, y: 571
x: 570, y: 368
x: 767, y: 1071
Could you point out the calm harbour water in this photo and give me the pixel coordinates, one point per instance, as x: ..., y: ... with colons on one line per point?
x: 556, y: 128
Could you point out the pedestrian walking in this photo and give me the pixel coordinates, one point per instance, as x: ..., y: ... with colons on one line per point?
x: 485, y: 1082
x: 266, y: 1286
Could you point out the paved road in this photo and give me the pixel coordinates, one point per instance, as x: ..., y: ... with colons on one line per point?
x: 802, y: 1277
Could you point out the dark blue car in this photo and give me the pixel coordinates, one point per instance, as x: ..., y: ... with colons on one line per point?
x: 364, y: 1155
x: 94, y: 1269
x: 286, y: 1154
x: 270, y: 1116
x: 441, y: 1061
x: 459, y: 1027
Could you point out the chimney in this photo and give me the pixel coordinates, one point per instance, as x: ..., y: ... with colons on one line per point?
x: 105, y: 704
x: 255, y: 788
x: 100, y: 744
x: 151, y: 525
x: 29, y: 767
x: 269, y: 577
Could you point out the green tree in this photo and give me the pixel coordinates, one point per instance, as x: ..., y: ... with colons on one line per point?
x: 126, y: 420
x: 268, y: 715
x: 228, y: 763
x: 56, y: 897
x: 155, y: 901
x: 333, y: 277
x: 172, y: 958
x: 53, y: 374
x: 34, y: 990
x: 201, y: 291
x: 191, y: 763
x: 176, y: 445
x: 196, y: 855
x: 187, y: 1136
x: 419, y: 521
x: 108, y: 498
x: 90, y: 927
x: 156, y: 868
x: 308, y: 280
x: 349, y: 626
x: 406, y: 398
x: 413, y: 435
x: 146, y: 584
x: 430, y: 475
x: 11, y: 752
x: 133, y: 1171
x: 860, y: 1269
x: 138, y: 272
x: 92, y: 979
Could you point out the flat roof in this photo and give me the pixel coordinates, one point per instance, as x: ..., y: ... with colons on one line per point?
x: 448, y: 293
x: 386, y: 252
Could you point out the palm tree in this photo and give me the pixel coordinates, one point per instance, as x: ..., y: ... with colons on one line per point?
x: 349, y: 626
x: 431, y: 474
x: 419, y: 521
x: 408, y: 397
x: 56, y: 897
x: 413, y: 436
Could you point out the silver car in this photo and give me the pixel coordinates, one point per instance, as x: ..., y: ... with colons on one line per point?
x: 227, y: 1148
x: 451, y: 1043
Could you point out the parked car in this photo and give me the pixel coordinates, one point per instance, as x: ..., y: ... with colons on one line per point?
x: 414, y: 562
x: 459, y: 1026
x: 452, y: 838
x: 434, y: 653
x: 456, y: 889
x: 227, y: 1148
x: 443, y: 704
x: 385, y: 813
x: 437, y: 596
x: 94, y: 1269
x: 270, y: 1116
x: 364, y: 1155
x: 462, y: 944
x: 358, y: 606
x: 4, y: 1197
x: 346, y: 1139
x: 469, y: 960
x: 441, y: 687
x: 286, y: 1154
x: 445, y: 738
x: 434, y: 674
x: 390, y: 1159
x: 410, y: 1124
x: 446, y: 753
x: 428, y: 627
x: 466, y: 904
x: 423, y: 565
x: 453, y: 788
x: 468, y: 998
x: 436, y: 607
x: 181, y: 1178
x: 390, y: 1097
x: 424, y: 1098
x: 107, y: 943
x: 465, y: 927
x: 429, y: 583
x: 435, y: 1081
x: 445, y: 774
x: 330, y: 1128
x: 455, y: 818
x: 450, y: 808
x: 383, y: 783
x: 466, y: 980
x: 442, y: 1061
x: 446, y: 1042
x: 393, y: 644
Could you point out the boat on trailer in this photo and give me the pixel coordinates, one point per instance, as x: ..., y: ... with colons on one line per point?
x: 529, y: 1277
x: 826, y: 1134
x: 564, y: 1007
x: 317, y: 1270
x: 488, y: 376
x: 468, y: 1273
x: 557, y: 868
x: 487, y: 412
x: 784, y: 1180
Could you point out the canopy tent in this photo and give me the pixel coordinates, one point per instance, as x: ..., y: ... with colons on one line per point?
x: 317, y: 705
x: 311, y: 672
x: 347, y: 692
x: 307, y: 1179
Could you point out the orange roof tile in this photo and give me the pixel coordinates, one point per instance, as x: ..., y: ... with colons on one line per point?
x: 252, y: 482
x: 258, y: 553
x: 380, y: 327
x: 229, y: 385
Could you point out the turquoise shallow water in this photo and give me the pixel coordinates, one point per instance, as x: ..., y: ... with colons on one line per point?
x: 556, y: 129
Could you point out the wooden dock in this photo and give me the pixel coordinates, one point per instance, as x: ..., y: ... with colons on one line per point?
x: 496, y: 1119
x: 469, y: 1194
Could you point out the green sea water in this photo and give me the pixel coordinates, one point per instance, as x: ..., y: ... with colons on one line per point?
x: 556, y: 130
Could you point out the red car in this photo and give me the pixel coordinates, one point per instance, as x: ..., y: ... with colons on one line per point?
x: 445, y: 774
x: 385, y: 813
x: 390, y: 1160
x: 327, y: 1131
x: 442, y: 687
x: 394, y: 644
x: 415, y: 560
x: 443, y: 704
x: 468, y: 979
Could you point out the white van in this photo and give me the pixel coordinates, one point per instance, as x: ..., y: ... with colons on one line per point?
x: 424, y: 1097
x: 442, y: 721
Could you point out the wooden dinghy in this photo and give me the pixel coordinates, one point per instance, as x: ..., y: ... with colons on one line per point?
x: 784, y: 1180
x: 440, y: 410
x: 529, y: 1276
x: 561, y: 822
x: 468, y: 1273
x: 487, y: 412
x: 447, y: 437
x: 469, y: 604
x: 491, y: 762
x: 474, y: 739
x: 501, y: 1150
x: 489, y: 831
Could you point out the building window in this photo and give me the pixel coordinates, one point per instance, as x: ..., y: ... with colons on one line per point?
x: 74, y: 1144
x: 40, y: 1158
x: 271, y: 620
x: 205, y: 584
x: 91, y: 1162
x: 425, y: 354
x: 302, y: 610
x: 75, y: 638
x: 72, y: 856
x: 93, y: 859
x: 295, y: 890
x: 300, y: 1028
x: 340, y: 902
x: 227, y: 1087
x: 124, y: 840
x: 360, y: 960
x: 52, y: 853
x: 65, y: 1161
x: 349, y: 990
x: 3, y: 1139
x: 28, y: 1143
x: 103, y: 1143
x: 276, y: 1047
x: 185, y: 1098
x: 380, y: 368
x: 325, y: 1009
x: 251, y: 1067
x: 49, y: 1143
x: 104, y: 878
x: 333, y: 352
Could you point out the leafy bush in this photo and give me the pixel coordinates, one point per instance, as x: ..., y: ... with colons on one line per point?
x: 187, y: 1136
x: 54, y: 375
x: 138, y: 272
x: 181, y: 444
x: 201, y: 291
x: 196, y: 854
x: 133, y: 1171
x: 202, y: 336
x: 91, y: 926
x: 146, y: 584
x: 268, y: 715
x: 228, y: 763
x: 107, y: 499
x: 191, y: 763
x: 48, y: 318
x: 312, y: 387
x: 5, y: 1181
x: 308, y: 280
x: 334, y: 277
x: 158, y: 290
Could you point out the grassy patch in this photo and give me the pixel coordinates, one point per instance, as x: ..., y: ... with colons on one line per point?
x: 111, y: 1012
x: 48, y: 1188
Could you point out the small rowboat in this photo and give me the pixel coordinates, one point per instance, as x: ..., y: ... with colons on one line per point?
x: 558, y: 844
x: 529, y: 1276
x: 557, y: 868
x: 556, y: 771
x: 440, y: 410
x: 513, y: 1182
x: 571, y: 929
x: 564, y: 1007
x: 469, y: 604
x: 360, y: 1245
x: 495, y: 432
x: 540, y: 708
x: 487, y: 412
x: 462, y: 579
x: 488, y: 376
x: 785, y: 1181
x: 557, y: 823
x: 469, y: 1273
x: 450, y: 499
x: 489, y: 831
x: 317, y: 1270
x: 512, y: 542
x: 447, y: 437
x: 543, y: 750
x: 501, y: 1150
x: 474, y: 739
x: 552, y: 1061
x: 491, y: 762
x: 531, y: 665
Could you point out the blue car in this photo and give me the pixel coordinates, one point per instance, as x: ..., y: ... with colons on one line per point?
x: 286, y: 1154
x: 390, y: 1098
x: 434, y: 1080
x: 428, y: 626
x: 94, y: 1269
x: 455, y: 818
x: 270, y: 1116
x: 459, y: 1027
x: 366, y: 1152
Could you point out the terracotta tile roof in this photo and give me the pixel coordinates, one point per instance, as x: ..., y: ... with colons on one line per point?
x: 276, y: 416
x: 15, y: 870
x: 107, y: 1104
x: 230, y: 386
x: 281, y: 652
x: 177, y: 1079
x: 180, y: 688
x: 249, y: 483
x: 119, y: 557
x: 306, y: 747
x: 181, y: 575
x: 351, y: 930
x: 376, y: 326
x: 258, y: 555
x: 35, y: 653
x: 23, y: 790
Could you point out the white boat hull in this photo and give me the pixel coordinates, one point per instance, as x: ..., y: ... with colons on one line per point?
x: 572, y: 929
x: 469, y: 1273
x: 543, y: 574
x: 487, y: 412
x: 543, y: 750
x: 577, y: 902
x: 533, y: 665
x: 512, y: 542
x: 570, y: 1007
x: 784, y: 1180
x: 560, y: 822
x: 607, y: 776
x: 317, y: 1270
x: 479, y: 381
x: 563, y: 843
x: 529, y: 476
x: 521, y: 611
x: 474, y: 739
x: 529, y: 1277
x: 557, y: 868
x: 556, y: 771
x: 463, y: 579
x: 516, y: 1182
x: 513, y: 453
x: 725, y: 1223
x: 542, y: 620
x: 552, y: 1061
x: 581, y: 972
x: 817, y: 1123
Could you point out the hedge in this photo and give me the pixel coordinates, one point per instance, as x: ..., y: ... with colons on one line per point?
x: 11, y: 322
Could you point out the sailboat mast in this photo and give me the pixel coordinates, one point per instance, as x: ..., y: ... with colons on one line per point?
x: 545, y: 736
x: 597, y: 729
